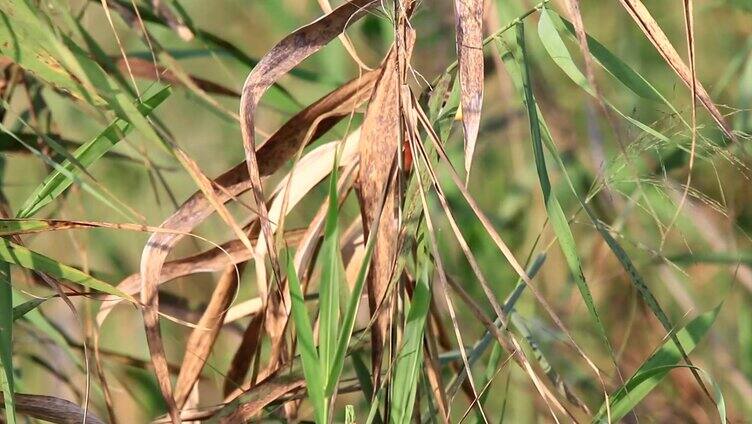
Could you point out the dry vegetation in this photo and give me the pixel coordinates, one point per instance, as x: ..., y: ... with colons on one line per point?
x: 400, y: 211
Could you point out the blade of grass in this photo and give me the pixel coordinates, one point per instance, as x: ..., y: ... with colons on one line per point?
x: 331, y: 279
x: 20, y: 310
x: 7, y: 316
x: 410, y: 354
x: 87, y: 154
x: 95, y: 190
x: 348, y: 319
x: 655, y: 368
x: 614, y: 65
x: 634, y: 275
x: 23, y: 257
x: 554, y: 210
x: 558, y: 51
x: 30, y: 43
x: 310, y: 359
x: 721, y: 258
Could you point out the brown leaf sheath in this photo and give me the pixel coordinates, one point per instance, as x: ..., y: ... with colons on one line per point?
x: 287, y: 54
x: 658, y: 38
x: 469, y: 27
x: 378, y: 145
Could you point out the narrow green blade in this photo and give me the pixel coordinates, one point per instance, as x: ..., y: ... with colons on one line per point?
x: 409, y: 361
x: 331, y: 277
x: 348, y: 320
x: 556, y: 215
x: 559, y: 53
x: 655, y: 368
x: 23, y: 257
x: 308, y: 355
x: 86, y: 155
x: 6, y: 343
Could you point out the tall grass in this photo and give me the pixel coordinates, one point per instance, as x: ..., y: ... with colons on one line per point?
x: 375, y: 211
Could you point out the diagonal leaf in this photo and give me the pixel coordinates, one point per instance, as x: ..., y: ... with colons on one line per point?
x: 558, y: 51
x: 657, y: 37
x: 31, y: 44
x: 87, y: 154
x: 23, y: 257
x: 655, y: 368
x: 559, y: 222
x: 614, y: 65
x: 624, y: 260
x: 348, y: 319
x: 20, y: 310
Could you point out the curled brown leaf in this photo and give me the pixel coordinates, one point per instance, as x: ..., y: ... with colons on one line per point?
x: 287, y: 54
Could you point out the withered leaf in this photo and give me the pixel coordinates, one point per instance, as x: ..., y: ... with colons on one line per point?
x: 52, y: 409
x: 146, y: 69
x: 203, y: 337
x: 278, y: 149
x: 379, y: 140
x: 287, y: 54
x: 273, y: 154
x: 469, y: 27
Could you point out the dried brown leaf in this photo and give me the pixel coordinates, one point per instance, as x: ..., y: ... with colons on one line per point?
x: 287, y: 54
x: 243, y: 357
x: 380, y: 135
x: 469, y: 28
x: 152, y: 259
x: 433, y: 373
x: 212, y: 260
x: 155, y: 253
x: 346, y: 43
x: 203, y: 337
x: 52, y: 409
x: 264, y: 393
x: 272, y: 155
